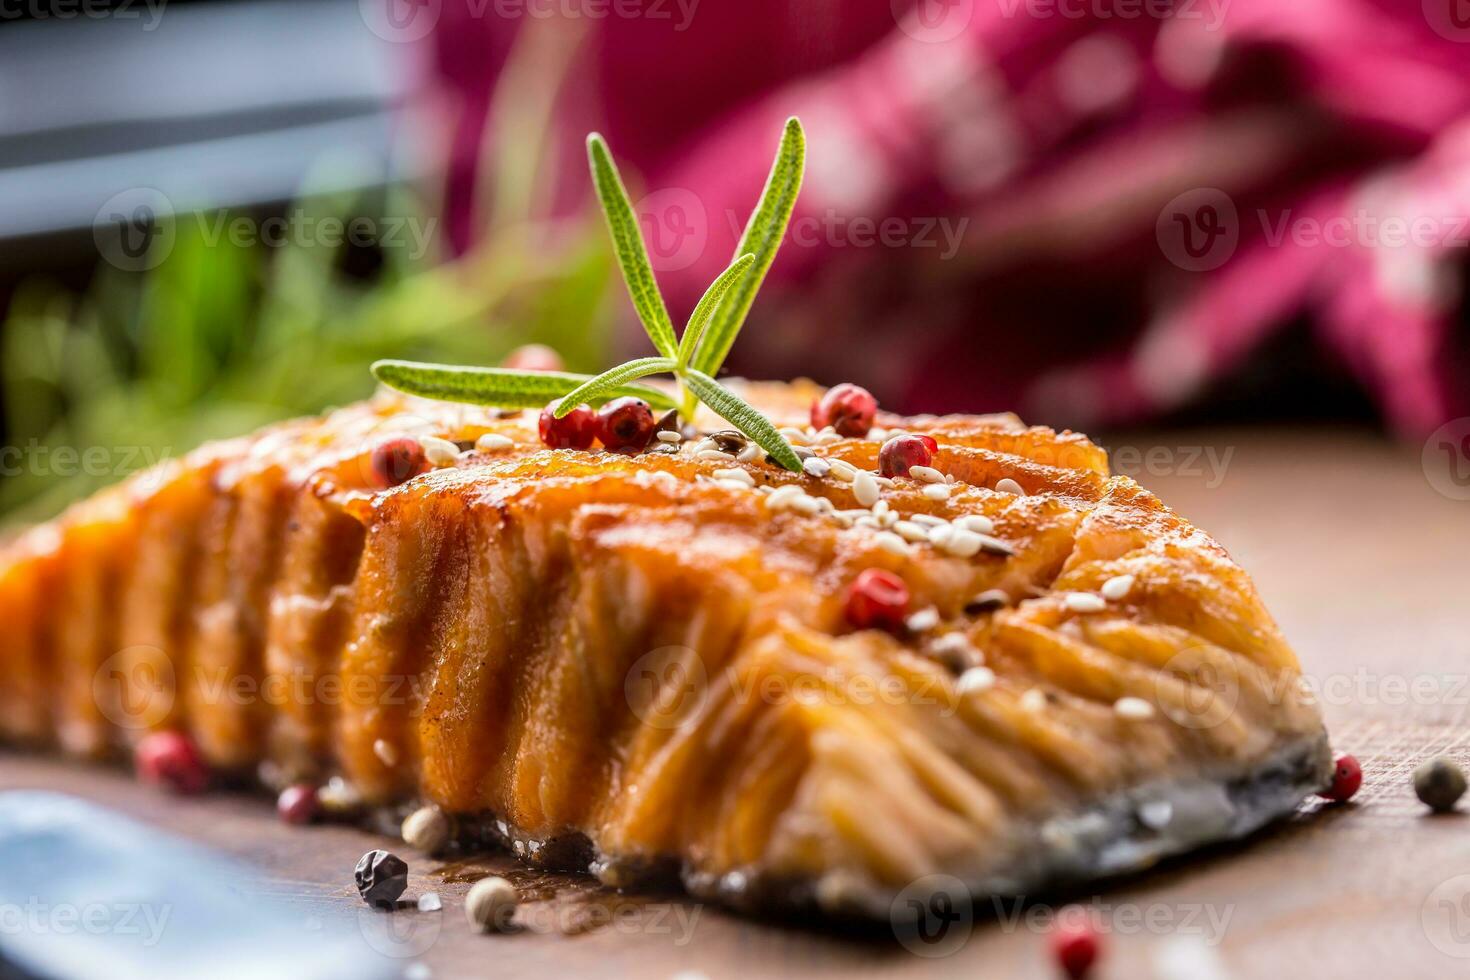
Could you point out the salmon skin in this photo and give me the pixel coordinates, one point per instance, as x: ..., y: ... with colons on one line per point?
x: 642, y: 665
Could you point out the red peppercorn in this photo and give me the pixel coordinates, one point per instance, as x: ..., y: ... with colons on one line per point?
x: 396, y: 460
x: 625, y: 425
x: 1076, y: 945
x: 877, y: 599
x: 902, y: 452
x: 534, y: 357
x: 576, y: 430
x: 846, y: 408
x: 1347, y: 776
x: 298, y: 804
x: 931, y: 442
x: 170, y: 760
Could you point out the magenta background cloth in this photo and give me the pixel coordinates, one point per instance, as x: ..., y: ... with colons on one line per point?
x: 1044, y: 205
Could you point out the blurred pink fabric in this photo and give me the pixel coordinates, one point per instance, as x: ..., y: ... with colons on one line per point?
x: 1090, y: 211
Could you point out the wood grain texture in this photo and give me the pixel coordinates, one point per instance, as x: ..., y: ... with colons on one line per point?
x: 1362, y: 563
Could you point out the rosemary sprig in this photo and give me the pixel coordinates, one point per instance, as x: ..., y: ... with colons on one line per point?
x: 692, y: 358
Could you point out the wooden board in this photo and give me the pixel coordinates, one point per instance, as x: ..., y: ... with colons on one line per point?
x: 1363, y: 563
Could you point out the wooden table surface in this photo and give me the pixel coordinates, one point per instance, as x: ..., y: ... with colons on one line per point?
x: 1364, y: 564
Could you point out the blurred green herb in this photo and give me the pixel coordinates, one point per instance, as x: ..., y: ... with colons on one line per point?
x: 707, y: 337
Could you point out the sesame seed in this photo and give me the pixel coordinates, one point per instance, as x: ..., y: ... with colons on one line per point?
x: 962, y: 543
x: 937, y: 491
x: 1133, y: 709
x: 714, y: 455
x: 995, y: 546
x: 923, y: 620
x: 667, y: 436
x: 749, y: 453
x: 734, y: 484
x: 1034, y: 700
x: 889, y: 541
x: 825, y: 506
x: 884, y: 482
x: 975, y: 680
x: 953, y: 644
x: 842, y: 470
x: 864, y: 488
x: 910, y: 531
x: 385, y: 752
x: 493, y: 442
x: 926, y: 474
x: 1084, y: 602
x: 782, y: 496
x: 976, y: 523
x: 1155, y: 814
x: 440, y: 452
x: 816, y: 467
x: 739, y: 476
x: 880, y: 508
x: 794, y: 436
x: 1117, y: 587
x: 842, y: 517
x: 1007, y: 485
x: 804, y: 504
x: 875, y: 434
x: 928, y: 520
x: 867, y: 520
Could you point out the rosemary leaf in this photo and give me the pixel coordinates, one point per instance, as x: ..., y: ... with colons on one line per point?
x: 594, y: 388
x: 735, y: 410
x: 501, y: 387
x: 699, y: 319
x: 627, y: 239
x: 762, y: 238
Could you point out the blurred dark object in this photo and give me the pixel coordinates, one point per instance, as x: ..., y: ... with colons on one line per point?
x: 213, y: 104
x: 1095, y: 213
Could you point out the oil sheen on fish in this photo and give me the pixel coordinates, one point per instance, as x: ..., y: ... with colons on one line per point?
x: 647, y: 660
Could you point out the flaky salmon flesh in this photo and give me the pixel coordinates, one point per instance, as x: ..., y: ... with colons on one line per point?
x: 642, y: 665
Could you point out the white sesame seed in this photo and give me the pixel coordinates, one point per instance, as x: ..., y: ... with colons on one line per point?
x: 816, y: 467
x: 923, y: 620
x: 842, y: 517
x: 954, y: 644
x: 1155, y: 814
x: 867, y: 520
x: 440, y: 452
x: 493, y: 442
x: 995, y: 546
x: 928, y: 520
x: 939, y: 534
x: 749, y: 453
x: 667, y: 436
x: 910, y: 531
x: 963, y: 544
x: 937, y: 491
x: 842, y: 470
x: 781, y: 497
x: 734, y: 484
x: 926, y: 474
x: 714, y: 455
x: 1133, y: 709
x: 889, y: 541
x: 1007, y: 485
x: 1084, y: 602
x: 825, y: 506
x: 385, y: 752
x: 876, y: 434
x: 794, y: 436
x: 884, y: 482
x: 975, y: 680
x: 880, y: 508
x: 976, y: 523
x: 739, y: 476
x: 825, y: 438
x: 1034, y: 700
x: 1117, y: 587
x: 804, y: 504
x: 864, y: 488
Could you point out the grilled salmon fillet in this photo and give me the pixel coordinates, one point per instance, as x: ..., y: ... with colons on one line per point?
x: 648, y: 656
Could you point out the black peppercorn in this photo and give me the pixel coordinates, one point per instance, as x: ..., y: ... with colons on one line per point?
x: 1440, y: 784
x: 381, y: 878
